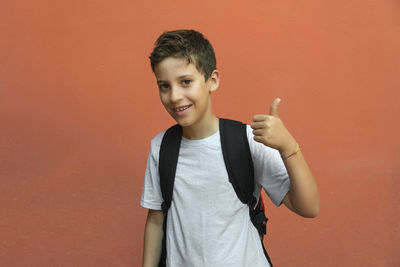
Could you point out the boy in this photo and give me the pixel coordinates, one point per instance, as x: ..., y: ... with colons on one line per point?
x: 207, y: 225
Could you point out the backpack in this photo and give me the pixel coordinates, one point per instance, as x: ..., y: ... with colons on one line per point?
x: 238, y: 163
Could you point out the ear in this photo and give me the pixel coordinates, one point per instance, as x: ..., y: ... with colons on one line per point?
x: 213, y: 80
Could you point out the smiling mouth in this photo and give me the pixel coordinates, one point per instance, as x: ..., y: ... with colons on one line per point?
x: 182, y: 108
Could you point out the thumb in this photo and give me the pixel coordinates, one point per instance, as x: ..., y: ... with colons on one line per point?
x: 273, y: 110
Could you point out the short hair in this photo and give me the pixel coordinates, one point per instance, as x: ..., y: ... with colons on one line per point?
x: 188, y: 44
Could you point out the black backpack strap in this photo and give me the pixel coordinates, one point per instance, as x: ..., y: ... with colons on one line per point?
x: 163, y: 257
x: 237, y: 157
x: 167, y: 162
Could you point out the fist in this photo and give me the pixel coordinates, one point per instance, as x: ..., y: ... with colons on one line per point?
x: 270, y: 130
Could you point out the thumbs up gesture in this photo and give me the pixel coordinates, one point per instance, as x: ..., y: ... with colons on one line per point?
x: 270, y: 130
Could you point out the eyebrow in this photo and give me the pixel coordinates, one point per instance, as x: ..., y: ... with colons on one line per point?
x: 180, y: 77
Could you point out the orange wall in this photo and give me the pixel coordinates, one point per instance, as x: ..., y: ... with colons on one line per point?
x: 79, y: 105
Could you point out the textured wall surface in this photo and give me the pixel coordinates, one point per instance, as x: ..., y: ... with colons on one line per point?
x: 79, y: 106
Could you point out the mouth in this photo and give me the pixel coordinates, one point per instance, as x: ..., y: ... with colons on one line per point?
x: 182, y: 108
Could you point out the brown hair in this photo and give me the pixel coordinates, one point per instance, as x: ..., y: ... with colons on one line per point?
x: 188, y: 44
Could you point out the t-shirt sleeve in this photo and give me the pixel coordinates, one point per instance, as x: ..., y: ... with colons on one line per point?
x: 269, y: 170
x: 151, y: 195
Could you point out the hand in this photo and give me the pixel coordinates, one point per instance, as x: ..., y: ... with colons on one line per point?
x: 270, y: 131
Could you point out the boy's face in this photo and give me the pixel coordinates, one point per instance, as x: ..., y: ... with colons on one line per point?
x: 184, y: 92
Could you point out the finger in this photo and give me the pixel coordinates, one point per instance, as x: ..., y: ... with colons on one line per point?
x: 258, y: 132
x: 257, y: 138
x: 258, y: 125
x: 259, y: 117
x: 273, y: 110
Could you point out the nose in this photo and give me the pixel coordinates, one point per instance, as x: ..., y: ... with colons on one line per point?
x: 175, y: 94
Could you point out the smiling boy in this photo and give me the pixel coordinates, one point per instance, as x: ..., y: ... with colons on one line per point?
x: 207, y: 225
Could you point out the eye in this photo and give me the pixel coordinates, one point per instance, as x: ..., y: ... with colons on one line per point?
x: 186, y: 82
x: 163, y: 86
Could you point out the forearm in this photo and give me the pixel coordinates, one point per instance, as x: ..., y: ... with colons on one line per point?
x: 303, y: 196
x: 153, y: 235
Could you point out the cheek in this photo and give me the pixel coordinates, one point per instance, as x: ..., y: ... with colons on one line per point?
x: 198, y: 94
x: 163, y: 98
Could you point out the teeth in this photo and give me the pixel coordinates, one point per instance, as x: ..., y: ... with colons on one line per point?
x: 182, y: 108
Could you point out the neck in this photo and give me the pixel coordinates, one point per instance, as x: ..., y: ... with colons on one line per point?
x: 203, y: 129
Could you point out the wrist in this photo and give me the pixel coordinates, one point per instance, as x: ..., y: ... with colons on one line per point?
x: 289, y: 149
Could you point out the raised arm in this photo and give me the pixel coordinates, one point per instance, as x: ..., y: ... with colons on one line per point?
x: 269, y: 130
x: 153, y: 235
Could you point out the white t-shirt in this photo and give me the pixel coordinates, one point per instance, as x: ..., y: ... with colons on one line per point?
x: 207, y: 223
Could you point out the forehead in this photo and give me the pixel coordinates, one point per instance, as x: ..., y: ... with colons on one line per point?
x: 173, y: 67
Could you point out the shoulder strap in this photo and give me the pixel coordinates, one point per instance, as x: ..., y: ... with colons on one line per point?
x: 237, y: 157
x: 167, y: 162
x: 168, y: 159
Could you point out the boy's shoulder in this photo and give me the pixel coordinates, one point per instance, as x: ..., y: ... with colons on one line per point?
x: 156, y: 140
x: 155, y: 144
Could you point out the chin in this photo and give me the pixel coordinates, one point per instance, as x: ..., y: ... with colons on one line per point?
x: 183, y: 123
